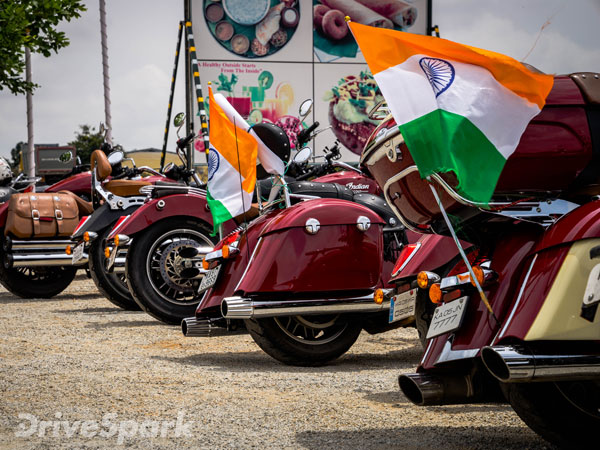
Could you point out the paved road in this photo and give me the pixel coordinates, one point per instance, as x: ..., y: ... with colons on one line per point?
x: 75, y: 371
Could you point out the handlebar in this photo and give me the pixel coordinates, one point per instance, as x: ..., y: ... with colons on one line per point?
x: 182, y: 143
x: 304, y: 135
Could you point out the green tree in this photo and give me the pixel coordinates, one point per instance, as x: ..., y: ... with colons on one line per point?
x: 15, y: 154
x: 86, y: 141
x: 32, y: 24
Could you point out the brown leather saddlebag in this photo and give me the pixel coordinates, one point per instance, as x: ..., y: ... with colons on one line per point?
x: 41, y: 215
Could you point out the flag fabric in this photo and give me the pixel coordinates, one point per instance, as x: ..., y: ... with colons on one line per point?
x: 231, y: 162
x: 459, y: 108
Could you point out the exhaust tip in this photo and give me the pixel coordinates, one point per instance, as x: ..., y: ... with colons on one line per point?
x: 495, y: 363
x: 189, y: 252
x: 410, y: 388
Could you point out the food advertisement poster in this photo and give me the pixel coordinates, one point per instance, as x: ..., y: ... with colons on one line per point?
x: 268, y: 56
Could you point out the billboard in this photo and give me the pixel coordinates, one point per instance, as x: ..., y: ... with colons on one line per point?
x: 268, y: 56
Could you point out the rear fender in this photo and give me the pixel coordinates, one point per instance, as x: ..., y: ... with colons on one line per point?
x: 3, y: 214
x: 100, y: 219
x: 189, y: 205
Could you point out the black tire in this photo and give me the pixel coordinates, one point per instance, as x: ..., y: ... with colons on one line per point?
x: 37, y: 282
x: 566, y: 414
x: 305, y: 340
x: 152, y: 272
x: 112, y: 285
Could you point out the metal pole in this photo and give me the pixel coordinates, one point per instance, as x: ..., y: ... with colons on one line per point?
x: 171, y: 95
x: 107, y: 117
x: 30, y: 145
x: 198, y: 87
x: 189, y: 110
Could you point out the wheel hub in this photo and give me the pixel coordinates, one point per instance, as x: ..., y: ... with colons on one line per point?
x: 172, y: 264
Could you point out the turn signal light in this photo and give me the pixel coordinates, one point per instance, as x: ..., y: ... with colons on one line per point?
x: 225, y: 251
x: 435, y: 293
x: 107, y: 252
x: 378, y: 297
x: 116, y: 240
x: 422, y: 280
x: 86, y: 236
x: 205, y: 264
x: 69, y: 250
x: 478, y: 271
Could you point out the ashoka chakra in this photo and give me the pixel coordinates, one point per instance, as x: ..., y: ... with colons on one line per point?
x: 213, y: 162
x: 440, y: 73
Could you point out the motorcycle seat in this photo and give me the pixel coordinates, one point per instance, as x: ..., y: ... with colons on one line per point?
x: 323, y: 190
x: 125, y: 188
x: 99, y: 161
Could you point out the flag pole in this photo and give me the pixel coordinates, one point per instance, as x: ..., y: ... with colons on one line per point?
x: 482, y: 295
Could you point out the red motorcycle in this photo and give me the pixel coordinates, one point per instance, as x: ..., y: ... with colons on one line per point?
x: 538, y: 261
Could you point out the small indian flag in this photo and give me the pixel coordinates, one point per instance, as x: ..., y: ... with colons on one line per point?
x: 459, y: 108
x: 231, y: 162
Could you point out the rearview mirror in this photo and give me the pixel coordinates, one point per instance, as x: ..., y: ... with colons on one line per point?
x: 303, y: 155
x: 305, y: 108
x: 179, y: 119
x: 116, y: 157
x: 379, y: 112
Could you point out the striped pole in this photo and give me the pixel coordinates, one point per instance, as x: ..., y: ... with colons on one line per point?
x: 171, y: 95
x: 198, y: 85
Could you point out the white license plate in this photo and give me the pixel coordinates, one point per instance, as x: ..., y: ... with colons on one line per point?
x: 448, y: 317
x: 402, y: 305
x: 209, y: 279
x: 78, y: 252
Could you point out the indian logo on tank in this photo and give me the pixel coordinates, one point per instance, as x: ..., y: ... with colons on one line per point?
x: 358, y: 187
x: 439, y: 72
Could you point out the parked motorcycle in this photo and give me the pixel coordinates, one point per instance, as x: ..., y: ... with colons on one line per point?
x: 538, y: 245
x: 116, y: 192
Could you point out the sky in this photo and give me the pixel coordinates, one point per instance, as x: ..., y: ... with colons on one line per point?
x: 556, y: 36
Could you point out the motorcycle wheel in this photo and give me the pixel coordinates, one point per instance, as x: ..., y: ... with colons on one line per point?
x: 564, y: 413
x: 153, y: 269
x: 37, y: 282
x: 305, y: 340
x: 112, y: 285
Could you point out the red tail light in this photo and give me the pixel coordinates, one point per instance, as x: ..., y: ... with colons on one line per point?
x: 228, y: 240
x: 407, y: 253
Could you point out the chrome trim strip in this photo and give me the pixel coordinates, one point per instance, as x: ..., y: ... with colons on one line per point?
x: 447, y: 354
x: 249, y: 263
x: 512, y: 313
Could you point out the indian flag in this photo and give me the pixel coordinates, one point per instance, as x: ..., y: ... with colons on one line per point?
x: 459, y: 108
x: 231, y: 162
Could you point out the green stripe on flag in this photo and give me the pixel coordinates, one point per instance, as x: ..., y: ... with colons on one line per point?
x: 219, y: 213
x: 442, y: 141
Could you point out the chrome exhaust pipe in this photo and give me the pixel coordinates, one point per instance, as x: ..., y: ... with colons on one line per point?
x: 40, y: 259
x: 193, y: 327
x: 194, y: 252
x: 244, y: 308
x: 427, y: 390
x: 519, y: 364
x: 119, y: 265
x: 36, y: 245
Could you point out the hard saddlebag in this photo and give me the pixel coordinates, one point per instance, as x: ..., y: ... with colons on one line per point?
x: 41, y: 215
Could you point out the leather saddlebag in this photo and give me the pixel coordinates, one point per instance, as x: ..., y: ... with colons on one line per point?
x: 41, y: 215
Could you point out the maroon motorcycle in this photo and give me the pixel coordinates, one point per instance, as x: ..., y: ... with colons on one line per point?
x: 535, y: 343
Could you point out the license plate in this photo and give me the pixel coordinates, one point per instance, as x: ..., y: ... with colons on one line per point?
x: 209, y: 279
x: 448, y: 317
x: 78, y: 252
x: 402, y: 305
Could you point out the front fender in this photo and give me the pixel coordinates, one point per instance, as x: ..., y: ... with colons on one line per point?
x: 189, y: 205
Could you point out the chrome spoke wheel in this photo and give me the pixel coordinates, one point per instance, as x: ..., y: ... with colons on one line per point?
x: 165, y: 265
x: 312, y: 330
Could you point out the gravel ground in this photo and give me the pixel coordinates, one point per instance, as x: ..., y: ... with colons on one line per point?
x: 115, y: 377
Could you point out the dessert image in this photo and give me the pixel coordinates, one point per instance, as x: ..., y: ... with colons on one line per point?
x: 349, y: 104
x: 331, y: 34
x: 252, y: 28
